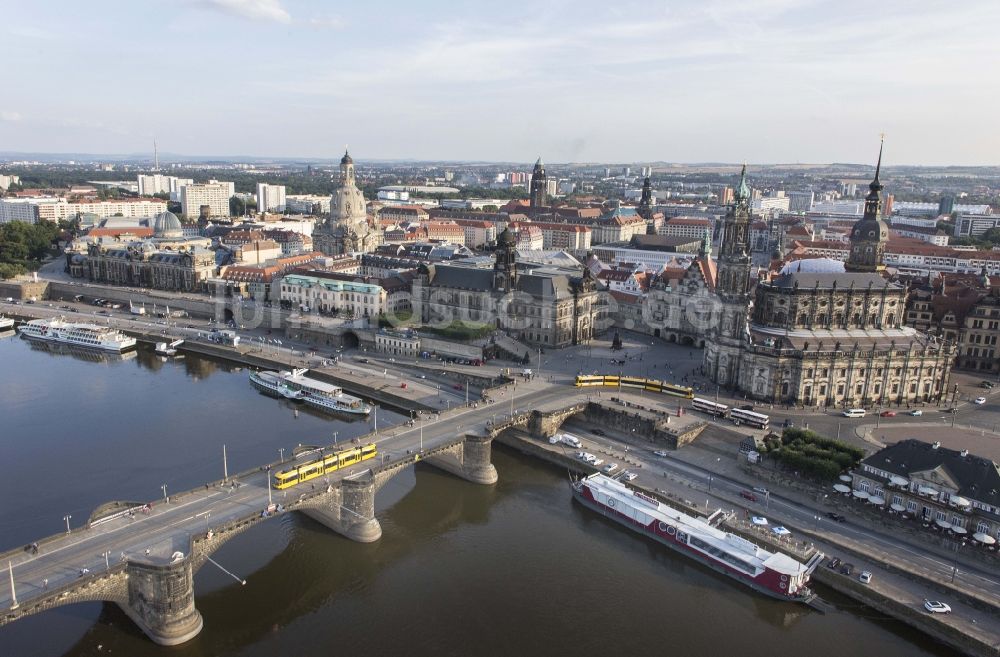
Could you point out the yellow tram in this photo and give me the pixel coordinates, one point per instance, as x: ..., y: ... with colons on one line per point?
x: 323, y: 465
x: 651, y: 385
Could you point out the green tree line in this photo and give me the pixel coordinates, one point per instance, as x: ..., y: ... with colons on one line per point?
x: 23, y: 246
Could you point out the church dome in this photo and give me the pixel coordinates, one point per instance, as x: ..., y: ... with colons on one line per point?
x: 506, y: 238
x: 167, y: 225
x: 346, y: 159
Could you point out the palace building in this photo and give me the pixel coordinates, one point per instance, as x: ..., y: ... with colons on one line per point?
x: 540, y: 305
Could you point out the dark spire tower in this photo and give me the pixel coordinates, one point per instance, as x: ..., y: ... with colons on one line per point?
x: 539, y: 183
x: 870, y: 233
x: 734, y: 252
x: 727, y: 332
x: 645, y: 209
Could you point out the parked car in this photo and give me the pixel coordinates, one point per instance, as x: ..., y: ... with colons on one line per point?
x: 599, y: 432
x: 950, y: 410
x: 979, y: 400
x: 609, y: 468
x: 833, y: 563
x: 659, y: 452
x: 916, y: 412
x: 458, y: 386
x: 847, y: 569
x: 986, y: 384
x: 888, y: 413
x: 596, y: 462
x: 629, y: 476
x: 760, y: 489
x: 865, y: 577
x: 746, y: 407
x: 747, y: 495
x: 836, y: 517
x: 936, y: 607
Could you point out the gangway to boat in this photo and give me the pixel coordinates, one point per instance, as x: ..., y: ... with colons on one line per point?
x: 814, y: 561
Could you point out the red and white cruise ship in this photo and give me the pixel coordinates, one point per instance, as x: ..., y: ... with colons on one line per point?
x: 771, y: 573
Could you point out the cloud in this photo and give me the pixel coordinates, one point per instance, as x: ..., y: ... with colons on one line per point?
x: 268, y: 10
x: 327, y: 22
x: 9, y: 116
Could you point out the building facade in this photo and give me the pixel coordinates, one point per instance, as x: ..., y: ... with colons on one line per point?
x: 540, y: 306
x: 270, y: 198
x: 945, y: 489
x: 213, y: 195
x: 821, y: 333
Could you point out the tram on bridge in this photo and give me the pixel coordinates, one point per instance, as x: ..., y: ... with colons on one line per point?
x: 323, y: 465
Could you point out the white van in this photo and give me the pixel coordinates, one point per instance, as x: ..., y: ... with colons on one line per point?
x: 854, y: 412
x: 572, y: 441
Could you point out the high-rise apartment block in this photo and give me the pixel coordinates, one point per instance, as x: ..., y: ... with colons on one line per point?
x: 214, y: 194
x: 270, y: 198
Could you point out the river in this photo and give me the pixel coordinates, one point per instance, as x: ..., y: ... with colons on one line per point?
x: 513, y: 569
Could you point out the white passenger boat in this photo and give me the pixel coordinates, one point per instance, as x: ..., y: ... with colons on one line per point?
x: 324, y: 396
x: 6, y: 323
x: 92, y: 336
x: 273, y: 383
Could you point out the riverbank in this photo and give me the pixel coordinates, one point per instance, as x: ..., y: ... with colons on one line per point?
x: 949, y: 630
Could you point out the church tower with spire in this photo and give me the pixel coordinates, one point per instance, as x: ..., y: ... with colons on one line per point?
x: 347, y: 229
x: 726, y: 335
x: 870, y: 233
x: 539, y: 186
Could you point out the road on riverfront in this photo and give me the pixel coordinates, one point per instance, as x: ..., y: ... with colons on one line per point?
x: 700, y: 486
x: 168, y: 526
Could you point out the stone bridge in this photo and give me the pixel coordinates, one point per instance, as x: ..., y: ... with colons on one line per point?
x: 159, y: 597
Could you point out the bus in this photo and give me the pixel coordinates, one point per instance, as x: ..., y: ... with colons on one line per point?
x: 756, y: 420
x: 710, y: 407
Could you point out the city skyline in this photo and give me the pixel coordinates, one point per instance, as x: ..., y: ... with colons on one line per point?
x: 780, y: 81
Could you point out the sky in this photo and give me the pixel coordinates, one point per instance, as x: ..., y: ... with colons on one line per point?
x: 766, y: 81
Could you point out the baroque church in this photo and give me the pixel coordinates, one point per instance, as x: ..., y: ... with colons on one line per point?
x: 348, y: 228
x: 820, y: 333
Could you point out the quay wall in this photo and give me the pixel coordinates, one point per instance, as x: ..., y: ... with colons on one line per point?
x: 934, y: 627
x: 916, y: 618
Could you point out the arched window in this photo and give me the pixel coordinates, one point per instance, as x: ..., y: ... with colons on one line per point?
x: 874, y: 320
x: 890, y: 320
x: 803, y: 319
x: 838, y: 320
x: 821, y: 320
x: 857, y: 319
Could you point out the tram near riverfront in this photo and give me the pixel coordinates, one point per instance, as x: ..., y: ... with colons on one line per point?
x: 323, y: 465
x: 635, y: 383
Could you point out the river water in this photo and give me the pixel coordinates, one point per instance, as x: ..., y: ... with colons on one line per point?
x: 513, y: 569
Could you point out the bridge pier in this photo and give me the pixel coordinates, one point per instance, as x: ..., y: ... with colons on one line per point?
x: 471, y: 460
x: 349, y: 510
x: 161, y: 601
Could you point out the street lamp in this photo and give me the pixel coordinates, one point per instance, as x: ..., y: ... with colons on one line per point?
x: 709, y: 483
x: 335, y: 437
x: 164, y: 487
x: 281, y: 454
x: 67, y: 519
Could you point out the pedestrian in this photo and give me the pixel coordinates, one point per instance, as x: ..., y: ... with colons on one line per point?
x: 147, y: 552
x: 45, y: 583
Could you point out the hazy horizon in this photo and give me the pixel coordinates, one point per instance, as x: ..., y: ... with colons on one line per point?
x: 716, y: 81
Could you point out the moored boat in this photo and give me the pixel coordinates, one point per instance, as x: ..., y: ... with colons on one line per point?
x: 6, y: 323
x: 273, y: 383
x: 771, y: 573
x: 325, y: 396
x: 91, y: 336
